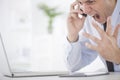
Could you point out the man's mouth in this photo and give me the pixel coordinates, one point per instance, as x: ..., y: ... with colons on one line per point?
x: 96, y: 16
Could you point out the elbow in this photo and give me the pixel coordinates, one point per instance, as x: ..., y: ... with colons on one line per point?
x: 73, y: 66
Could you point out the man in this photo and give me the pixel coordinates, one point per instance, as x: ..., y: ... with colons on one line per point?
x: 87, y: 37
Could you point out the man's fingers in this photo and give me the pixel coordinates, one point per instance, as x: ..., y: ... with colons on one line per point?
x: 90, y: 46
x: 100, y: 31
x: 116, y: 31
x: 109, y: 26
x: 76, y: 11
x: 93, y: 38
x: 72, y: 7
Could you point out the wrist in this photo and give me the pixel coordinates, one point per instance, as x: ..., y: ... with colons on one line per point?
x: 117, y: 57
x: 72, y: 38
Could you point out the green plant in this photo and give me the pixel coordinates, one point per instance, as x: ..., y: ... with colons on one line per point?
x: 51, y: 13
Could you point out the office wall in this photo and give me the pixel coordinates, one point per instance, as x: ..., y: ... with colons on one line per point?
x: 49, y: 48
x: 24, y: 30
x: 16, y: 29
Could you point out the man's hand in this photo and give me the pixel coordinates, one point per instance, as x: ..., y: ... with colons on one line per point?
x: 107, y: 45
x: 74, y: 22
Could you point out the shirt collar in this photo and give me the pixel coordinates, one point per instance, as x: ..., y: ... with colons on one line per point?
x: 116, y: 14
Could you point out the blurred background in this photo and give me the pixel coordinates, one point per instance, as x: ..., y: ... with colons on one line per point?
x: 34, y: 31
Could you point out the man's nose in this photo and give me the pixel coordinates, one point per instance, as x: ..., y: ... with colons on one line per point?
x: 86, y: 8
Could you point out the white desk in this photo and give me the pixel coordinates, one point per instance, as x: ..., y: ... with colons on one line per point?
x: 111, y: 76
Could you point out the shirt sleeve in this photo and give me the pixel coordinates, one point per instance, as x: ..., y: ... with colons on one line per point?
x: 77, y: 55
x: 117, y: 67
x: 72, y: 55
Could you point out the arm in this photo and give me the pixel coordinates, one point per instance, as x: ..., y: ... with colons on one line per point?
x: 77, y: 55
x: 74, y: 25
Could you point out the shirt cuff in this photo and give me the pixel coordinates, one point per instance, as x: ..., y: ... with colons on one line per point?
x: 69, y: 45
x: 117, y: 67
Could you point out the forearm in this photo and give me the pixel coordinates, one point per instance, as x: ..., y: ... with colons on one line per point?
x: 73, y: 55
x: 72, y: 38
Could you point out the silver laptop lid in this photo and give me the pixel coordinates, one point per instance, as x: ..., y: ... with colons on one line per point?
x: 5, y: 68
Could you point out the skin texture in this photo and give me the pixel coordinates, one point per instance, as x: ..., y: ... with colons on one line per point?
x: 100, y: 14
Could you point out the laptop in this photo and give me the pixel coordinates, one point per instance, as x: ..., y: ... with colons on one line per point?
x: 6, y: 69
x: 85, y: 74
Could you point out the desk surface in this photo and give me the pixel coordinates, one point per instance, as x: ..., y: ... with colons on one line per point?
x: 111, y: 76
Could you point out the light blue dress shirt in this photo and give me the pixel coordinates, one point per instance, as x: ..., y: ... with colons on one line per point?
x: 78, y: 55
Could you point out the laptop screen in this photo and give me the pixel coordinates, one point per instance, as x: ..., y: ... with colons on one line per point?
x: 4, y: 62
